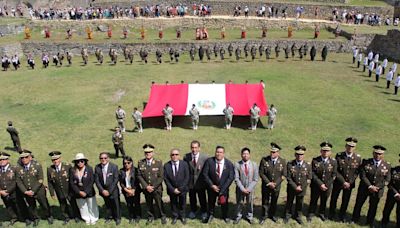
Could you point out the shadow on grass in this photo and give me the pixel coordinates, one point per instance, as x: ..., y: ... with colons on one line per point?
x: 385, y: 92
x: 396, y: 100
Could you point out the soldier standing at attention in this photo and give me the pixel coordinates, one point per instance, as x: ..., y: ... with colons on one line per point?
x: 137, y: 117
x: 14, y: 136
x: 392, y: 198
x: 272, y: 111
x: 374, y: 175
x: 118, y: 141
x: 228, y: 112
x: 8, y: 187
x: 299, y: 175
x: 237, y: 53
x: 195, y: 116
x: 58, y: 181
x: 151, y: 176
x: 167, y: 112
x: 254, y: 116
x: 120, y: 116
x: 272, y: 172
x: 30, y: 182
x: 348, y: 169
x: 324, y: 53
x: 324, y: 170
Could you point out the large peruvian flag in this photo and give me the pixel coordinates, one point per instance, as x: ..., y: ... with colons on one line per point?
x: 210, y: 99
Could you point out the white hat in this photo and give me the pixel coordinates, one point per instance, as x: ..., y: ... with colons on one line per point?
x: 80, y: 156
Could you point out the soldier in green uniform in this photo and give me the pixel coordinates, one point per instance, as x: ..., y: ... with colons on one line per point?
x: 58, y: 181
x: 349, y: 164
x: 118, y: 141
x: 272, y: 171
x: 30, y: 182
x: 324, y: 170
x: 8, y: 187
x: 392, y: 198
x: 195, y: 116
x: 374, y: 175
x: 299, y: 175
x: 14, y: 136
x: 254, y: 116
x: 228, y: 112
x: 151, y: 176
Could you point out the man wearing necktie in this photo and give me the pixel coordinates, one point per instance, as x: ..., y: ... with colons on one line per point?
x: 374, y: 175
x: 176, y: 177
x: 349, y: 163
x: 246, y: 178
x: 197, y: 186
x: 324, y: 171
x: 218, y: 174
x: 272, y: 172
x: 106, y: 179
x: 8, y: 187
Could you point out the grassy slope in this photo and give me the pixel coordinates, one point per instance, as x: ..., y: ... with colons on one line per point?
x: 72, y: 109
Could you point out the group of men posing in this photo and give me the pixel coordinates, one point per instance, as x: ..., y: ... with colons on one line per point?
x: 206, y: 179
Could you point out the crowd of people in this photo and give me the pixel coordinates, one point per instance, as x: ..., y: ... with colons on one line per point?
x: 205, y: 179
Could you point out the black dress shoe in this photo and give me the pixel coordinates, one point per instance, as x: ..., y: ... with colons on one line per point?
x: 77, y: 220
x: 309, y: 219
x: 149, y: 221
x: 227, y: 220
x: 236, y: 221
x: 184, y: 221
x: 251, y: 221
x: 13, y: 221
x: 299, y: 221
x: 163, y: 220
x: 174, y: 220
x: 262, y: 221
x: 50, y: 220
x: 36, y: 222
x: 204, y: 220
x: 118, y: 222
x: 107, y: 221
x: 274, y: 219
x: 137, y: 220
x: 66, y: 221
x: 322, y: 217
x: 210, y: 218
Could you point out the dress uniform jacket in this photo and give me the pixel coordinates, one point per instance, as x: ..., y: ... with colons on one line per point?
x: 299, y: 176
x: 8, y: 182
x: 31, y: 180
x: 391, y: 201
x: 324, y: 173
x: 151, y: 175
x: 59, y: 181
x: 348, y: 169
x: 372, y: 175
x: 272, y: 173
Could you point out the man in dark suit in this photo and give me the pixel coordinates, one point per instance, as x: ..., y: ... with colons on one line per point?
x: 8, y: 187
x: 176, y: 177
x: 106, y: 179
x: 197, y: 186
x: 58, y: 181
x: 14, y: 136
x: 218, y: 174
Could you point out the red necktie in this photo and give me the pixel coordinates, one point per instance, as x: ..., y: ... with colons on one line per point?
x: 194, y: 161
x: 218, y: 169
x: 246, y: 170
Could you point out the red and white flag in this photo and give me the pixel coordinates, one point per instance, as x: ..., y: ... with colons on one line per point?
x: 210, y: 99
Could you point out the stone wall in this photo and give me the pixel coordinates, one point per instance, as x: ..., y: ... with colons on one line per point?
x: 11, y: 29
x: 387, y: 45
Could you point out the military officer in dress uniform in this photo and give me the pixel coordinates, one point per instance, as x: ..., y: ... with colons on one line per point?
x: 58, y: 181
x: 195, y: 116
x: 151, y: 176
x: 324, y: 170
x: 120, y: 116
x: 167, y: 112
x: 228, y: 112
x: 374, y: 175
x: 118, y: 141
x: 299, y: 175
x: 272, y: 171
x: 14, y: 136
x: 254, y: 116
x: 392, y: 198
x: 349, y: 164
x: 30, y: 182
x: 8, y: 187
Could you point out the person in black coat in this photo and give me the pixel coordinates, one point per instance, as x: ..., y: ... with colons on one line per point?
x: 313, y: 53
x: 130, y: 189
x: 14, y: 136
x: 106, y: 179
x: 176, y: 177
x: 218, y: 174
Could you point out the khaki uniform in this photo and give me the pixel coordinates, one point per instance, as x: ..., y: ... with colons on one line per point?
x: 228, y: 111
x: 167, y: 112
x: 195, y: 116
x: 254, y: 116
x: 118, y: 141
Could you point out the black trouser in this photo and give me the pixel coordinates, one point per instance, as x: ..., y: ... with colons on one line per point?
x: 387, y: 84
x: 312, y: 58
x: 291, y: 196
x: 269, y: 202
x: 337, y: 188
x: 354, y: 59
x: 364, y: 68
x: 377, y: 77
x: 112, y: 207
x: 212, y: 199
x: 369, y: 73
x: 383, y: 70
x: 11, y: 207
x: 118, y: 148
x: 317, y: 193
x: 389, y: 205
x: 155, y: 196
x: 178, y: 205
x: 17, y: 144
x: 362, y: 196
x: 358, y: 64
x: 201, y: 193
x: 396, y: 88
x: 133, y: 204
x: 32, y: 209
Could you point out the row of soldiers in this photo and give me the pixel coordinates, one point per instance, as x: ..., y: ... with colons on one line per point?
x: 203, y: 52
x: 205, y: 178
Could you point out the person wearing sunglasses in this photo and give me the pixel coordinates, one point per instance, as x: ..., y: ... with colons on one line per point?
x: 82, y: 181
x: 8, y: 186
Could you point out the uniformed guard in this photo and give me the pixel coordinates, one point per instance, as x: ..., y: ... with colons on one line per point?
x: 195, y: 116
x: 348, y: 169
x: 118, y: 141
x: 392, y: 198
x: 293, y: 49
x: 222, y: 53
x: 299, y: 175
x: 238, y: 53
x: 313, y: 53
x: 277, y: 50
x: 137, y: 118
x: 301, y: 52
x: 261, y: 50
x: 120, y: 116
x: 254, y: 116
x: 8, y: 186
x: 167, y: 112
x: 324, y: 53
x: 151, y: 176
x: 159, y: 56
x: 208, y: 53
x: 305, y: 48
x: 58, y: 182
x: 268, y: 52
x: 14, y: 134
x: 286, y: 50
x: 201, y: 53
x: 253, y: 52
x: 230, y: 49
x: 246, y: 50
x: 176, y: 55
x: 228, y: 112
x: 374, y: 175
x: 30, y: 182
x: 192, y: 53
x: 324, y: 170
x: 272, y: 171
x: 216, y: 50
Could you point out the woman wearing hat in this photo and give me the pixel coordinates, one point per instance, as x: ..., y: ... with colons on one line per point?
x: 82, y: 180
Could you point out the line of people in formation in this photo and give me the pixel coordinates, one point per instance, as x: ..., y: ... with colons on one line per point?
x: 174, y: 54
x: 371, y: 62
x: 205, y: 179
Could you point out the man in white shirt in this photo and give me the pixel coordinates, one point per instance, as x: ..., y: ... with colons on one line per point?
x: 389, y: 78
x: 378, y: 72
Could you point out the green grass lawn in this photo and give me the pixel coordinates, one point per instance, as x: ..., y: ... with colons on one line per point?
x: 71, y: 109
